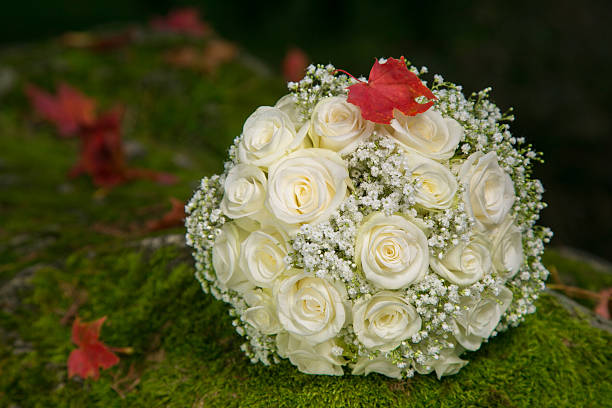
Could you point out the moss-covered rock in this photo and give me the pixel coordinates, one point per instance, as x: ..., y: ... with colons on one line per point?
x: 66, y: 247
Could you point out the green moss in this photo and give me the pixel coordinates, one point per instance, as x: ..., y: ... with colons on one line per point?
x: 185, y: 350
x: 153, y: 304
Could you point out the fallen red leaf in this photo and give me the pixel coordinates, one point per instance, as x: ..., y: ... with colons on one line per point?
x: 173, y: 218
x: 216, y: 53
x: 102, y: 154
x: 603, y: 306
x: 98, y: 42
x: 183, y: 21
x: 294, y: 64
x: 92, y: 354
x: 69, y: 110
x: 391, y: 85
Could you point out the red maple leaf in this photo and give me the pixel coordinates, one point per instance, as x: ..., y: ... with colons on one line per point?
x: 98, y: 42
x: 173, y: 218
x: 294, y: 64
x: 604, y: 306
x: 216, y: 53
x: 391, y: 85
x: 92, y: 354
x: 183, y: 21
x: 102, y: 155
x: 68, y: 110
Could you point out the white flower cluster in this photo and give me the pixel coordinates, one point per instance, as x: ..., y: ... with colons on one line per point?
x: 343, y: 243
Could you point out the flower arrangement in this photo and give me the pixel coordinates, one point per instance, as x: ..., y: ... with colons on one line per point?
x: 372, y: 226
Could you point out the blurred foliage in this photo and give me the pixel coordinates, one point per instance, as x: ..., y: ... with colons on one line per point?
x: 548, y: 59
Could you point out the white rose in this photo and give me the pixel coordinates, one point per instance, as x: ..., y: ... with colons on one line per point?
x: 261, y: 312
x: 310, y: 359
x: 489, y: 191
x: 391, y: 251
x: 338, y: 125
x: 244, y: 191
x: 428, y: 133
x: 464, y: 264
x: 311, y: 308
x: 448, y: 363
x: 379, y: 364
x: 225, y: 256
x: 287, y: 104
x: 306, y: 186
x: 438, y: 185
x: 507, y: 249
x: 262, y: 256
x: 267, y: 135
x: 477, y: 320
x: 384, y: 320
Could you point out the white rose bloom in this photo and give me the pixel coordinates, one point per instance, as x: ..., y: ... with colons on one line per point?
x: 476, y: 322
x: 438, y: 185
x: 489, y: 191
x: 306, y: 186
x: 338, y: 125
x: 310, y: 359
x: 428, y: 133
x: 268, y: 134
x: 244, y: 191
x: 384, y: 320
x: 379, y: 364
x: 261, y: 312
x: 507, y: 249
x: 287, y: 104
x: 465, y: 263
x: 262, y: 256
x: 311, y: 308
x: 225, y: 257
x: 391, y: 251
x: 448, y: 363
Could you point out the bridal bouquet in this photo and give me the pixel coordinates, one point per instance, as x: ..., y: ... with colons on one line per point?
x: 372, y: 226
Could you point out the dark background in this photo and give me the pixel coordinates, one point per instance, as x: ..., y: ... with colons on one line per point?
x: 550, y: 60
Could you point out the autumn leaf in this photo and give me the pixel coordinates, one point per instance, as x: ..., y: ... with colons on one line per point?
x: 182, y: 21
x: 92, y: 354
x: 391, y: 85
x: 98, y: 42
x: 69, y: 110
x: 173, y: 218
x: 208, y: 60
x: 603, y: 306
x: 102, y: 155
x: 294, y: 64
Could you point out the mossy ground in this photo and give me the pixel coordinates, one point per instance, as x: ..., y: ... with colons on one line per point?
x: 55, y: 247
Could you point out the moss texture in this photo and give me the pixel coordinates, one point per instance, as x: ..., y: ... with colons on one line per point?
x: 57, y: 244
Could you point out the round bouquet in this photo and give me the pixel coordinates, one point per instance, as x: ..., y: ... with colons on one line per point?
x: 372, y: 225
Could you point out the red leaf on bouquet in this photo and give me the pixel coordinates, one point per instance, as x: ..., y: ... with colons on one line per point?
x: 391, y: 85
x: 294, y: 64
x: 183, y: 21
x: 173, y: 218
x: 68, y: 110
x: 92, y: 354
